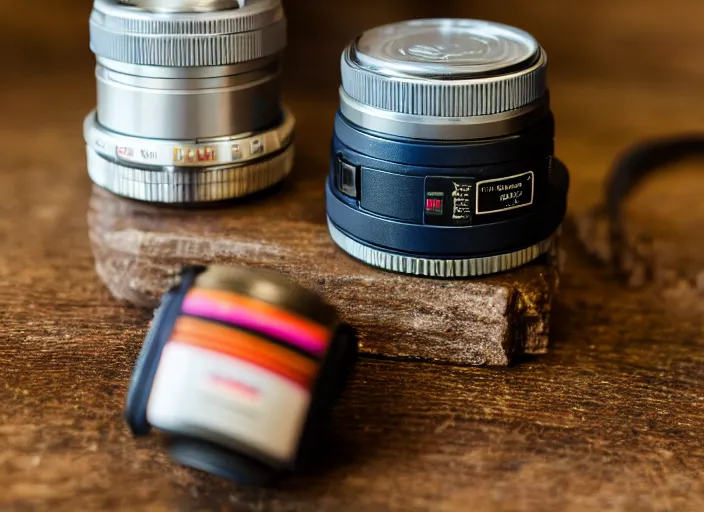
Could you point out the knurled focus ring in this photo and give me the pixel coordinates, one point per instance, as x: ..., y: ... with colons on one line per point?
x: 444, y: 268
x: 189, y: 185
x: 448, y: 98
x: 131, y: 35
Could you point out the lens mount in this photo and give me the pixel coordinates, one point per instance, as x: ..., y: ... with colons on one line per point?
x: 435, y: 267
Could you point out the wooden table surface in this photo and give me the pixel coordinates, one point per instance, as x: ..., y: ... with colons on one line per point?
x: 611, y: 419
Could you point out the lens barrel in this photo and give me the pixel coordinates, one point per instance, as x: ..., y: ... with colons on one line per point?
x: 188, y: 106
x: 442, y: 155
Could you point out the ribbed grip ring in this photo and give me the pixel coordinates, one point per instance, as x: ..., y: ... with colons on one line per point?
x: 436, y: 267
x: 189, y: 185
x: 444, y: 98
x: 127, y: 34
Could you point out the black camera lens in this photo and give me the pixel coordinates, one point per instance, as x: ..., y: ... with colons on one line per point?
x: 442, y: 155
x: 240, y: 367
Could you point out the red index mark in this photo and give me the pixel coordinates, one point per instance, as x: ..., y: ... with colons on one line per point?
x: 433, y: 204
x: 206, y: 154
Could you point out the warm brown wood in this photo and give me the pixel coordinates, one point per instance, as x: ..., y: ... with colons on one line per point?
x: 611, y: 419
x: 139, y: 249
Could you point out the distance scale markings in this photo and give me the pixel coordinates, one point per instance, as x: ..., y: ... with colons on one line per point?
x: 128, y: 153
x: 173, y: 153
x: 199, y: 154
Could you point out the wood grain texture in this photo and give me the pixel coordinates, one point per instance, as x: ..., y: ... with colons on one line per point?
x: 611, y: 419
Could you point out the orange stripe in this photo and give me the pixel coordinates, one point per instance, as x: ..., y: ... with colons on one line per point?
x: 286, y: 373
x: 245, y: 346
x: 225, y: 335
x: 313, y: 329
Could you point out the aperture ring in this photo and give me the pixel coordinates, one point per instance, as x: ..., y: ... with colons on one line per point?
x: 451, y: 98
x: 188, y: 185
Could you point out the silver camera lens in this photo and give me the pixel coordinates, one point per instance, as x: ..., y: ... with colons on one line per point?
x: 188, y: 106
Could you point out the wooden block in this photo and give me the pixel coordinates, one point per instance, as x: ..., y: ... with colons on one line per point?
x: 139, y: 249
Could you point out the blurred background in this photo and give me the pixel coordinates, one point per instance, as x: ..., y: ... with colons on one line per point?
x: 620, y: 70
x: 634, y: 41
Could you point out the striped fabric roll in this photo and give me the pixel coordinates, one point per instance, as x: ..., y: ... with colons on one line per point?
x: 251, y: 330
x: 242, y: 366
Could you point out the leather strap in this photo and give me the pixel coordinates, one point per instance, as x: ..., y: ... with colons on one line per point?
x: 631, y: 168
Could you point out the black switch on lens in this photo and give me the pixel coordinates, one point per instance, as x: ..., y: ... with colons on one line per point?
x: 346, y: 178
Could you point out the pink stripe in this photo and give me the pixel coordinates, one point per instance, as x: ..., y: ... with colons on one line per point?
x: 249, y: 319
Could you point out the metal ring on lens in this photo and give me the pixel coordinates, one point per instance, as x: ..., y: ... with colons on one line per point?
x: 188, y: 171
x: 445, y: 268
x: 129, y: 34
x: 187, y: 185
x: 442, y: 128
x: 174, y: 108
x: 435, y: 80
x: 139, y: 151
x: 225, y: 70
